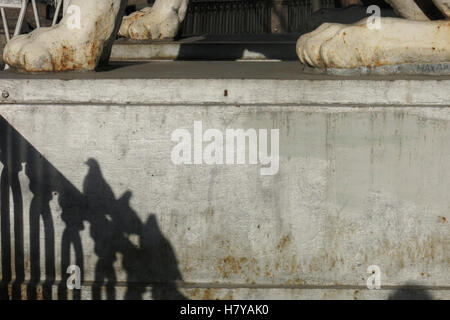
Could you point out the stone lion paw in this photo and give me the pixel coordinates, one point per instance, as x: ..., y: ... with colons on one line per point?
x: 309, y: 45
x: 67, y: 47
x: 25, y: 53
x: 150, y: 24
x: 398, y: 41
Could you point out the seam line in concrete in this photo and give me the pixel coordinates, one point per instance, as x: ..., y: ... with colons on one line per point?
x: 188, y: 285
x: 219, y: 104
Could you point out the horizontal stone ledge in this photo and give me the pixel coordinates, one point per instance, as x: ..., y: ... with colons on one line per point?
x: 232, y: 83
x: 229, y: 285
x: 211, y: 293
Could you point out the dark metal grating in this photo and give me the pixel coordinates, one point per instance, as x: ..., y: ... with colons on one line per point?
x: 232, y: 17
x: 300, y: 10
x: 227, y: 17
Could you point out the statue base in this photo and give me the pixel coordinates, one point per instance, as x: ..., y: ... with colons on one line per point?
x: 359, y: 178
x: 429, y: 69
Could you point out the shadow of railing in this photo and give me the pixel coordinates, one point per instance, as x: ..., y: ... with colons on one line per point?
x: 111, y: 221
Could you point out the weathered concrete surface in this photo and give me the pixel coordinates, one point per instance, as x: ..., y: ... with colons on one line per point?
x: 358, y: 185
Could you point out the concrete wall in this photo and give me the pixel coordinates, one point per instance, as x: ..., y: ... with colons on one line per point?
x: 357, y: 186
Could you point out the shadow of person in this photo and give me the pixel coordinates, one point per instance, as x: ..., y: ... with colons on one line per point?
x: 150, y: 261
x: 411, y: 292
x: 103, y: 229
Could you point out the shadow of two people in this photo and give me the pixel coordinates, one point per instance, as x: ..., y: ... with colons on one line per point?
x: 151, y: 261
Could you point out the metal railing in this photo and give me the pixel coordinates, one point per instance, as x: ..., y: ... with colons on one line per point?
x: 23, y: 5
x: 300, y: 10
x: 59, y: 4
x: 227, y: 17
x: 17, y: 4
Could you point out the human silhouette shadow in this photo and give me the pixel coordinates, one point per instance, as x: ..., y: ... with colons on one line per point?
x: 109, y: 228
x: 151, y: 262
x: 111, y: 221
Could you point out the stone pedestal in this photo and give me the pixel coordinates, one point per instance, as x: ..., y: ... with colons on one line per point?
x: 361, y: 181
